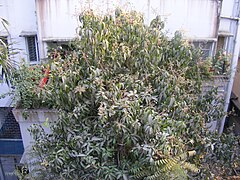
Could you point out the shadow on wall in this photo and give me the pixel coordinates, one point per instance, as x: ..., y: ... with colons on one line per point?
x: 233, y: 119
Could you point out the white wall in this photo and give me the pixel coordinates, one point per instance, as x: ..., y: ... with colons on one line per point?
x: 195, y: 18
x: 57, y: 19
x: 22, y: 17
x: 229, y: 9
x: 39, y: 117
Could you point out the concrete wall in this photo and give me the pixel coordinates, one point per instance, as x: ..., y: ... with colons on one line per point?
x: 36, y: 116
x: 57, y: 19
x: 230, y: 9
x: 197, y: 19
x: 236, y: 84
x: 22, y: 17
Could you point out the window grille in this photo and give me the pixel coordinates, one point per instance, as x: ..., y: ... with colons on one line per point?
x: 206, y: 47
x: 32, y: 48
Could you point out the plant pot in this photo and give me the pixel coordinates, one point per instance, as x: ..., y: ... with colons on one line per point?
x: 34, y: 116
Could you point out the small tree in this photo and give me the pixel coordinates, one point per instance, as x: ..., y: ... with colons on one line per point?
x: 6, y: 64
x: 130, y: 103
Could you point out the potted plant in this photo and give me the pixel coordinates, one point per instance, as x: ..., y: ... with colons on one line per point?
x: 30, y: 108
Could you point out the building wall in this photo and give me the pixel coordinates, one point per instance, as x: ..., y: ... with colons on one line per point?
x: 58, y: 19
x: 228, y: 25
x: 197, y: 19
x: 236, y: 84
x: 21, y: 17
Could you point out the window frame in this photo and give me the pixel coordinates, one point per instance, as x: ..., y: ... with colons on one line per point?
x: 204, y: 49
x: 36, y: 49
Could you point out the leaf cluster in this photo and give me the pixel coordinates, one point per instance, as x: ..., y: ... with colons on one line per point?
x: 7, y: 65
x: 25, y: 86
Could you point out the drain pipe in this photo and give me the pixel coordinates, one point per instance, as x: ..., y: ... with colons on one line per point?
x: 234, y: 63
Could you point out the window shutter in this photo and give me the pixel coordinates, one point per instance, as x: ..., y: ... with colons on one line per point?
x: 32, y: 51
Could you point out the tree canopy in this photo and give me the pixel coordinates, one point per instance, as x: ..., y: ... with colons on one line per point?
x: 130, y: 105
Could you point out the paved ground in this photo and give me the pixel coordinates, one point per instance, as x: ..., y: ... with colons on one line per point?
x: 8, y: 164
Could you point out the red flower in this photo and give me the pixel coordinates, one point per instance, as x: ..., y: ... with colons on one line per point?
x: 44, y: 80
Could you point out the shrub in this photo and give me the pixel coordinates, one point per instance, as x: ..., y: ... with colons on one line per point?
x: 27, y: 83
x: 129, y: 101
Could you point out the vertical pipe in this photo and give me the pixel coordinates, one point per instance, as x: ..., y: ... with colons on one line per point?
x: 234, y: 63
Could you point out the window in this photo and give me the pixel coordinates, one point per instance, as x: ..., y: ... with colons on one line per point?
x: 221, y: 43
x: 57, y: 44
x: 58, y: 47
x: 225, y: 41
x: 206, y: 47
x: 32, y: 48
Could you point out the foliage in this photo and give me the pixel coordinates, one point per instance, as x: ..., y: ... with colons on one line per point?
x: 6, y: 64
x: 221, y: 63
x: 128, y: 98
x: 27, y: 92
x: 167, y: 168
x: 216, y: 65
x: 222, y: 156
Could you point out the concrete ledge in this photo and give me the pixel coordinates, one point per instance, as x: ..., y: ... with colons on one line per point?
x: 34, y: 116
